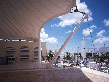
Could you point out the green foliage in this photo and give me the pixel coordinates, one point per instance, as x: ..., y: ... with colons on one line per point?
x: 50, y: 54
x: 68, y: 57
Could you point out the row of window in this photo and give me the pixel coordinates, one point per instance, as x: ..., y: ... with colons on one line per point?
x: 24, y: 53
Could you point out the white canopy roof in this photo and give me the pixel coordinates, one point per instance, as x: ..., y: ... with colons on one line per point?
x: 23, y: 19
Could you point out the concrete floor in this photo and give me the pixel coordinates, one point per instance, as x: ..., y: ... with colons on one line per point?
x: 51, y: 75
x: 31, y: 72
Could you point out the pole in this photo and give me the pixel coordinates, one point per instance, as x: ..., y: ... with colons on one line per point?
x: 67, y: 40
x: 39, y: 52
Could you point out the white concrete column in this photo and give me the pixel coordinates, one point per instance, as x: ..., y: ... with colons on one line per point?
x: 31, y: 53
x: 75, y: 59
x: 39, y: 52
x: 92, y: 54
x: 17, y: 53
x: 83, y: 51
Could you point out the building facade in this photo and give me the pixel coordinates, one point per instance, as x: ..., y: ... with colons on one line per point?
x: 21, y: 50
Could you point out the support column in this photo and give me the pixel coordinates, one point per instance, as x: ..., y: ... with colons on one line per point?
x: 83, y: 51
x: 92, y: 54
x: 39, y: 52
x: 75, y: 59
x: 17, y: 53
x: 31, y: 53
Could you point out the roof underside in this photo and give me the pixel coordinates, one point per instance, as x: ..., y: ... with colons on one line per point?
x: 23, y: 19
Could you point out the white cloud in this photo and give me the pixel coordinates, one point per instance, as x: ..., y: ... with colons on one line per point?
x: 101, y: 33
x: 68, y: 32
x: 88, y: 38
x: 87, y: 31
x: 106, y: 22
x: 52, y: 40
x: 44, y: 37
x: 74, y: 18
x: 53, y: 25
x: 93, y: 26
x: 101, y: 40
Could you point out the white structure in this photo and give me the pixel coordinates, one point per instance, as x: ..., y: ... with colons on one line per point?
x: 93, y: 50
x: 75, y: 60
x: 39, y: 52
x: 103, y: 49
x: 83, y: 50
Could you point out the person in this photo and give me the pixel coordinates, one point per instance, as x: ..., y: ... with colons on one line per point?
x: 85, y: 61
x: 77, y: 63
x: 101, y: 61
x: 96, y: 60
x: 81, y: 62
x: 57, y: 60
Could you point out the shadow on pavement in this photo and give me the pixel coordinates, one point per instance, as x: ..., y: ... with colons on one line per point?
x: 44, y: 75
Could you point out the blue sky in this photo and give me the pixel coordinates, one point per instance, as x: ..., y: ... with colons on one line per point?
x: 56, y: 31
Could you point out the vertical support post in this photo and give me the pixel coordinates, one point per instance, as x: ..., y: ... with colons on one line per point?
x: 75, y: 59
x: 104, y: 48
x: 31, y: 53
x: 83, y: 51
x: 17, y: 53
x: 39, y: 52
x: 92, y: 54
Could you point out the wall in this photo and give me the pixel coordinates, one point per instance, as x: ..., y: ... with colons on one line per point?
x: 43, y: 46
x: 17, y: 45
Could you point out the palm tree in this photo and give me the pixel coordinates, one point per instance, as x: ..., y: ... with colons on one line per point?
x: 50, y: 54
x: 68, y: 57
